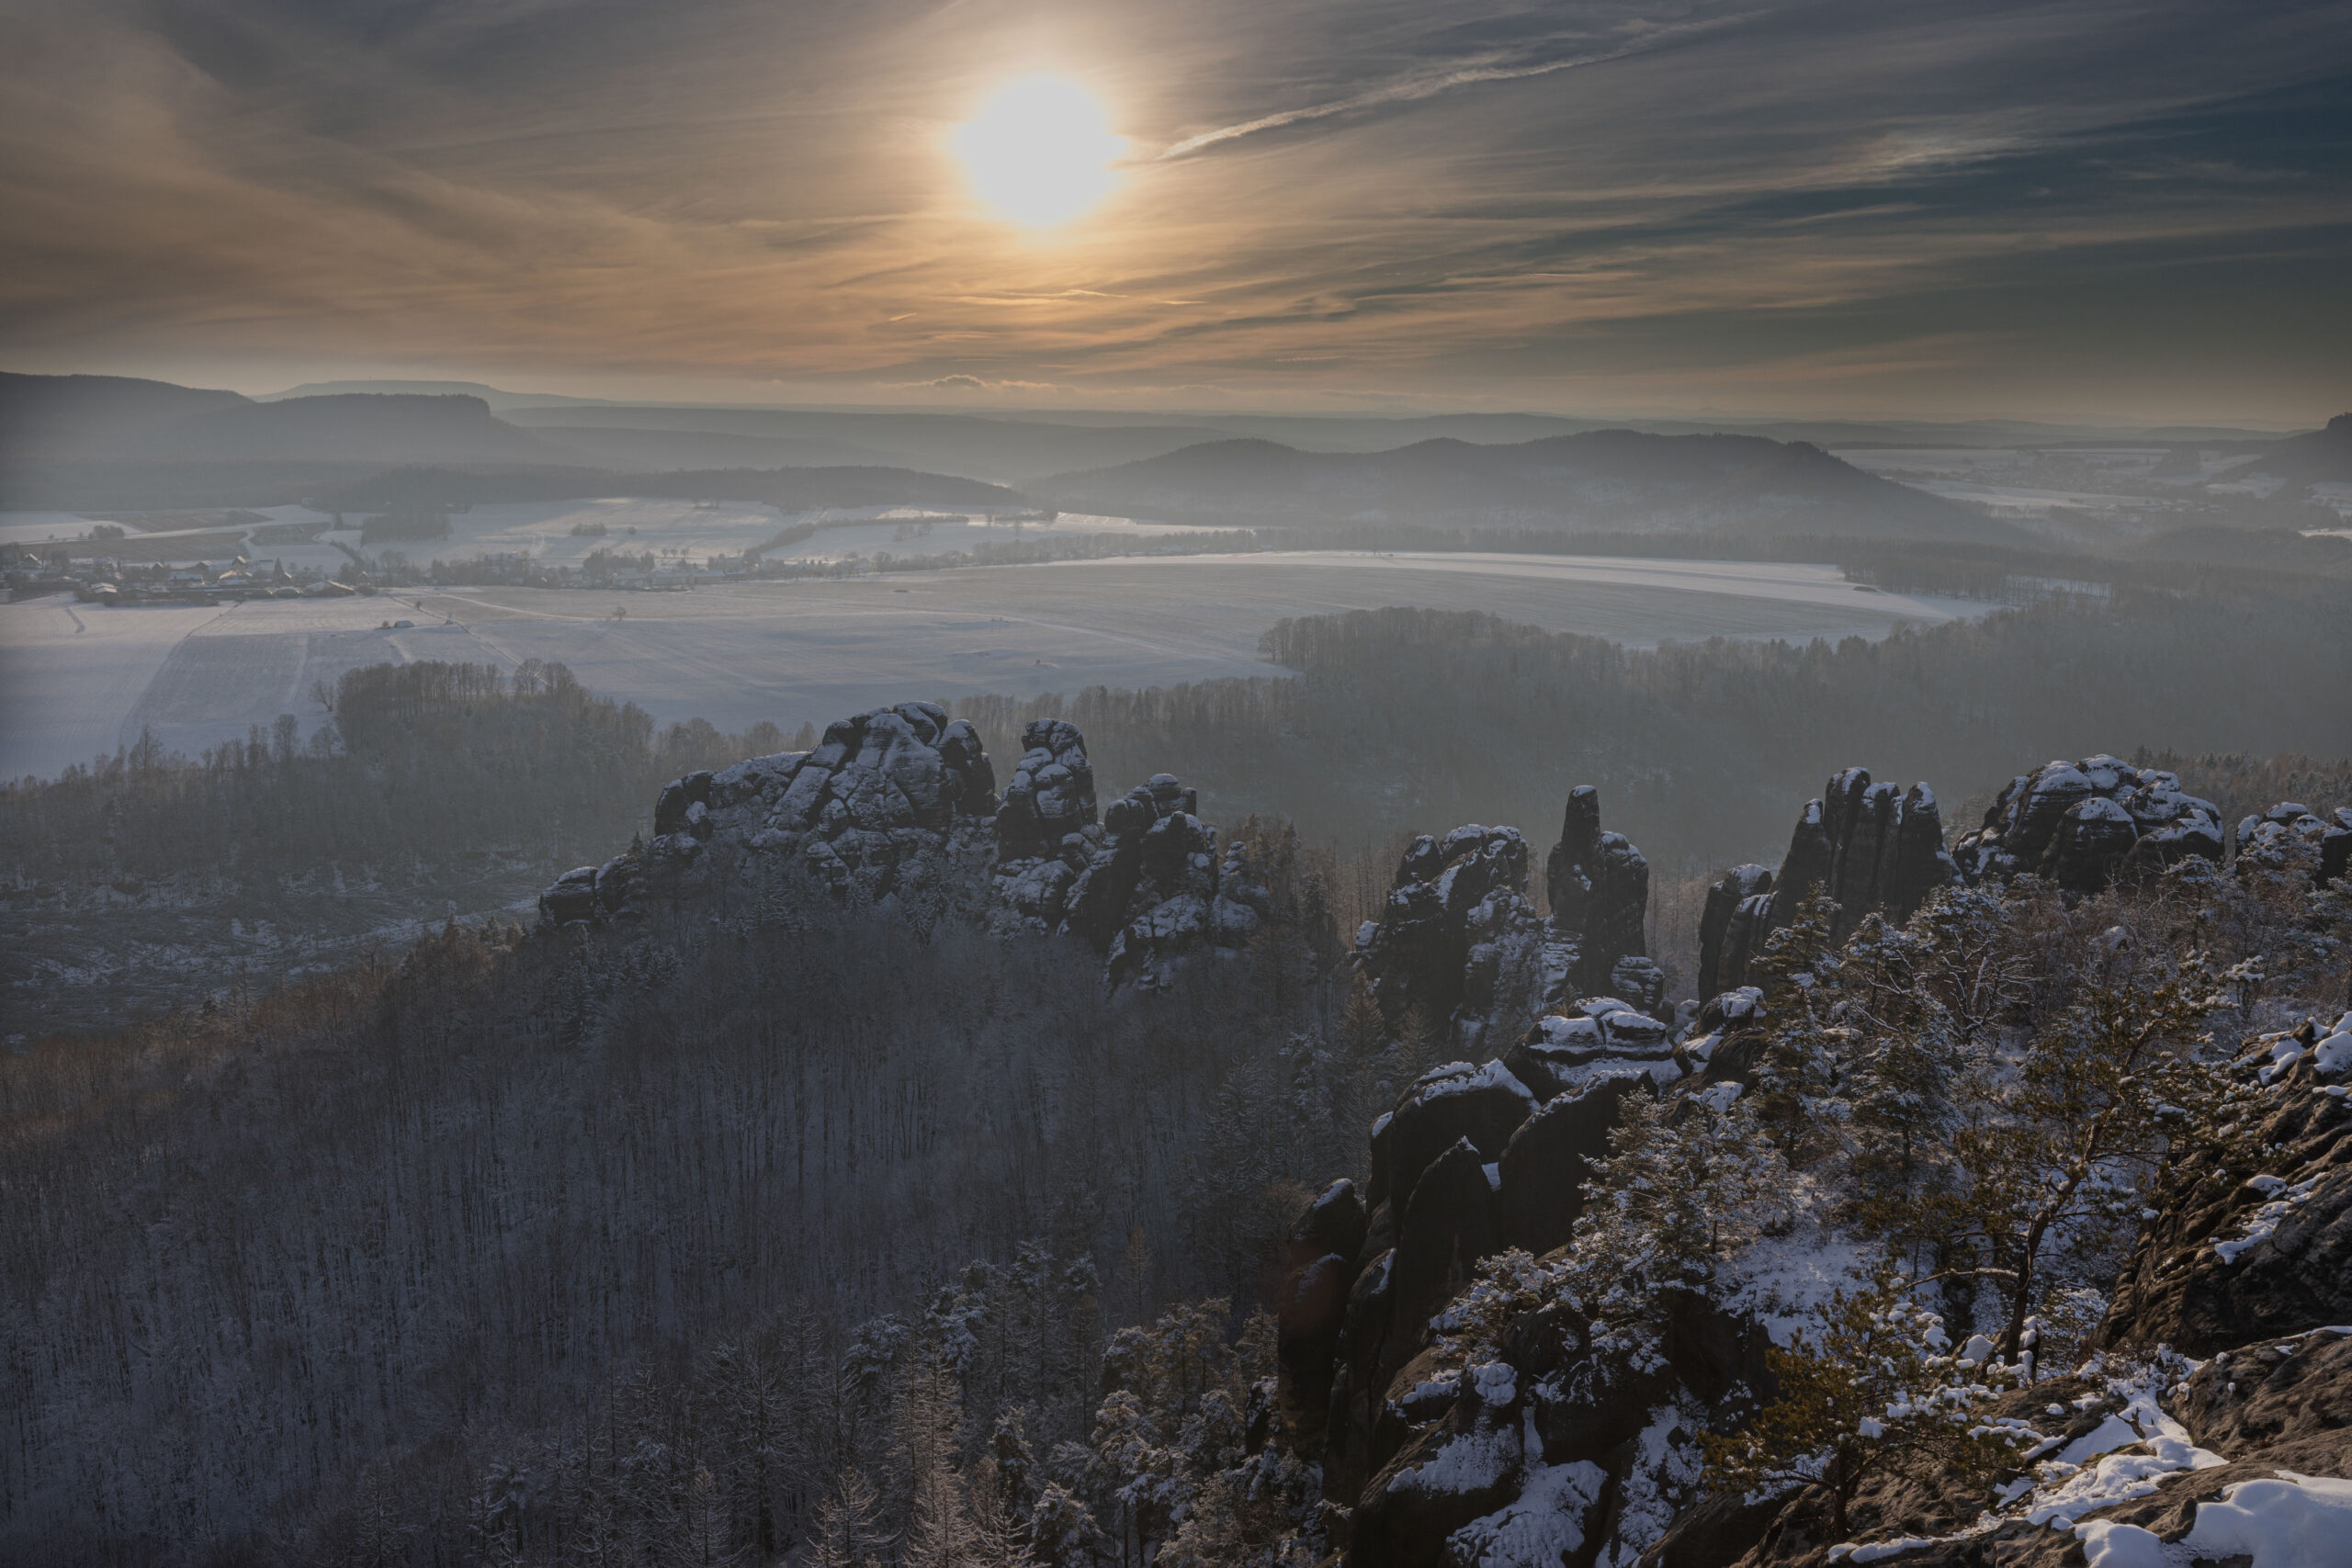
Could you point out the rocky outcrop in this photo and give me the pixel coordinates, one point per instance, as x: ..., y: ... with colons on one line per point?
x: 1868, y: 846
x: 892, y: 804
x: 1737, y: 913
x: 2250, y: 1271
x: 2238, y: 1253
x: 1597, y: 885
x: 897, y: 807
x: 1473, y: 1160
x: 1459, y: 945
x: 2292, y: 840
x: 1050, y: 794
x: 2076, y: 824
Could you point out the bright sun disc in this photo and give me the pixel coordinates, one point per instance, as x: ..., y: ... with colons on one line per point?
x: 1040, y: 151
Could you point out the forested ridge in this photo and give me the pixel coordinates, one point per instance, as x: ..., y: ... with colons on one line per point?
x: 1406, y: 719
x: 440, y: 1214
x: 438, y: 786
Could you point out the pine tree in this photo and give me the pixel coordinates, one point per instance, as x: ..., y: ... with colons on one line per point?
x: 1870, y: 1387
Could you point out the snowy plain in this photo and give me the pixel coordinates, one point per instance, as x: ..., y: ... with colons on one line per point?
x: 83, y: 681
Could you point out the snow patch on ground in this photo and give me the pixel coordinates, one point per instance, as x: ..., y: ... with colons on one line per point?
x: 2264, y: 1221
x: 1540, y: 1528
x: 1783, y: 1278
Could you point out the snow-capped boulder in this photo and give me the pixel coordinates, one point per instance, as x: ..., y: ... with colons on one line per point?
x: 570, y: 897
x: 2075, y: 823
x: 1457, y: 1102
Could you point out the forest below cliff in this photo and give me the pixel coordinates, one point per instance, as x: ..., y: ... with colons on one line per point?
x: 146, y: 878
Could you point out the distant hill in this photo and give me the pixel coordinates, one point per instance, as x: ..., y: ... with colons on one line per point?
x: 1612, y: 480
x: 620, y: 446
x: 374, y: 428
x: 499, y: 400
x: 2321, y: 456
x: 789, y: 490
x: 48, y: 419
x: 1003, y: 451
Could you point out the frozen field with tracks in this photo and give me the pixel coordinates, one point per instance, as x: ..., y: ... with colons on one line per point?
x: 79, y: 680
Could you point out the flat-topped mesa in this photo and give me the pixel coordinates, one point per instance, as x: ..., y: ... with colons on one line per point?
x: 2076, y: 824
x: 1599, y: 887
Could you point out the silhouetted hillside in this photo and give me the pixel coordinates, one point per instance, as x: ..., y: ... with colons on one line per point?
x: 2318, y: 456
x: 702, y: 448
x: 1611, y: 478
x: 58, y: 418
x: 351, y: 426
x: 1006, y: 451
x: 790, y: 488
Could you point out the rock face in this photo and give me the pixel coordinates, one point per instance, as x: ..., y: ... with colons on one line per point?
x: 1458, y: 942
x: 898, y: 807
x: 1324, y: 1259
x: 2076, y: 823
x: 1051, y: 794
x: 2239, y: 1255
x: 1737, y: 913
x: 1869, y: 846
x: 1599, y: 887
x: 2291, y: 838
x: 1472, y: 1160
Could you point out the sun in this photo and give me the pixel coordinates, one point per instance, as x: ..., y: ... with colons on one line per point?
x: 1040, y: 151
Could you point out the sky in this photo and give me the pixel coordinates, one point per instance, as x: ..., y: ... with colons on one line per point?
x: 2079, y: 210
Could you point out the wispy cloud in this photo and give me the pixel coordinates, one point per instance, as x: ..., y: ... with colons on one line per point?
x: 1412, y: 87
x: 1736, y: 196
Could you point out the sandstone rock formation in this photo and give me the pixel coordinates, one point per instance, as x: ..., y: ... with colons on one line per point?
x: 1869, y: 846
x: 2076, y: 823
x: 897, y: 806
x: 1599, y: 887
x: 1733, y: 925
x: 1472, y: 1160
x: 1458, y: 943
x: 2291, y: 838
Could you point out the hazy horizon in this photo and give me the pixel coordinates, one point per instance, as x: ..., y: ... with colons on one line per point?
x: 2090, y: 214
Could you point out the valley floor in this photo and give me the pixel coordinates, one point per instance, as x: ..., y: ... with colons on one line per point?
x: 82, y: 681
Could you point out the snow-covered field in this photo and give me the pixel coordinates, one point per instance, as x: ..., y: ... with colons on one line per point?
x: 81, y: 680
x: 545, y: 532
